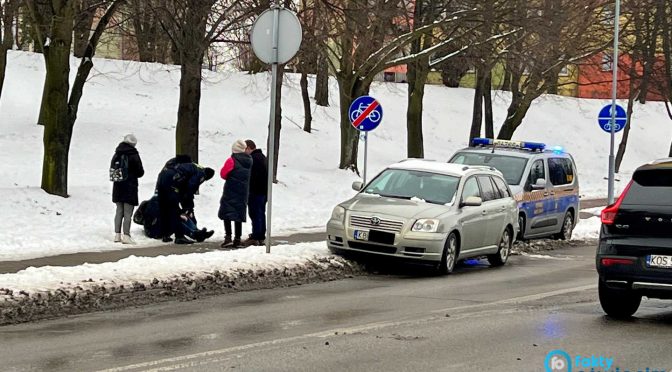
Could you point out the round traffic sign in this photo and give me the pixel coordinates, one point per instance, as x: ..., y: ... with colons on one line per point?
x: 604, y: 118
x: 289, y: 36
x: 365, y: 113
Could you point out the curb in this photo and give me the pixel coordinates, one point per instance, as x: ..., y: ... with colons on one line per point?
x: 19, y: 307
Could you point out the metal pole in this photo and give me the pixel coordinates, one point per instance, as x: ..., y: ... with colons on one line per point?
x: 366, y: 151
x: 271, y: 136
x: 614, y: 90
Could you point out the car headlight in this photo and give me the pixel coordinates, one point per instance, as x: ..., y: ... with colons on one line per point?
x: 338, y: 214
x: 426, y: 225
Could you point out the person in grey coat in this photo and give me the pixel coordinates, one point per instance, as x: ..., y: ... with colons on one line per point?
x: 125, y: 193
x: 233, y: 204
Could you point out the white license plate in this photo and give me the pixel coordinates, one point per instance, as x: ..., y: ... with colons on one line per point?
x: 656, y: 260
x: 361, y: 235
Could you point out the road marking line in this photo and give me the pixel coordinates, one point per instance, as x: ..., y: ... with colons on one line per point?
x: 366, y: 327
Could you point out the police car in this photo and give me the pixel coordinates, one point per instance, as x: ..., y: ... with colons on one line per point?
x: 544, y: 182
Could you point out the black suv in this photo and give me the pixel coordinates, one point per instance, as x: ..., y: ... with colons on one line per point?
x: 634, y: 257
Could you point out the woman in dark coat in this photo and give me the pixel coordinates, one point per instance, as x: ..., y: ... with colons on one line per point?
x: 125, y: 193
x: 233, y: 205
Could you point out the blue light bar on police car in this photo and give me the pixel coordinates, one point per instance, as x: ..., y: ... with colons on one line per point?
x: 534, y: 146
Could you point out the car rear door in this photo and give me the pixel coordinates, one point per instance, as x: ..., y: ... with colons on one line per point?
x: 563, y: 190
x: 494, y: 213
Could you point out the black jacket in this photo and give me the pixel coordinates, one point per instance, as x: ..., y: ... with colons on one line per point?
x: 259, y: 175
x: 127, y: 191
x: 181, y: 180
x: 233, y: 204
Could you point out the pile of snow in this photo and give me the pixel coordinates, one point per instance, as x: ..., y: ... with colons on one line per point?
x: 145, y: 269
x: 123, y: 97
x: 587, y: 229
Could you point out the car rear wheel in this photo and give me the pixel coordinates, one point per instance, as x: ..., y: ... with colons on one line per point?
x: 449, y: 256
x: 618, y: 303
x: 521, y: 226
x: 567, y: 227
x: 504, y: 251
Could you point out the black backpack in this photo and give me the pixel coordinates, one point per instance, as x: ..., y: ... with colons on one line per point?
x: 119, y: 168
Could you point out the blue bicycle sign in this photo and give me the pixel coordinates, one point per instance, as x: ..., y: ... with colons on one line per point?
x: 365, y: 113
x: 604, y: 119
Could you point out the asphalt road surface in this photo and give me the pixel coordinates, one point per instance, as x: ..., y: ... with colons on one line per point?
x: 479, y: 318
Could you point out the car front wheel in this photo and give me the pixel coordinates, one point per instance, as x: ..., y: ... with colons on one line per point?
x: 618, y: 303
x: 504, y: 251
x: 449, y: 256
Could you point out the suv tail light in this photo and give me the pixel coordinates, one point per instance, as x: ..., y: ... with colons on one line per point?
x: 607, y: 262
x: 609, y: 213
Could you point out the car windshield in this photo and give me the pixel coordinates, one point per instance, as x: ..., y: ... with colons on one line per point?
x: 410, y: 184
x: 512, y: 167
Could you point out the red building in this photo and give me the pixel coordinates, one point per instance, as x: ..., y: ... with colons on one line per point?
x: 595, y: 76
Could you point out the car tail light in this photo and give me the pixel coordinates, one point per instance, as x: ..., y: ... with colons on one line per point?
x: 609, y: 213
x: 606, y: 262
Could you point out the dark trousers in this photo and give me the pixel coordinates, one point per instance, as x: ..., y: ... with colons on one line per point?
x: 257, y: 207
x: 238, y: 226
x: 169, y: 207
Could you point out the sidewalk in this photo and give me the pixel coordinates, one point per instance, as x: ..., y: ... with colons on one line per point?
x: 172, y: 249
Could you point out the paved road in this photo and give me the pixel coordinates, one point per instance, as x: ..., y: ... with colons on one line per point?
x: 167, y: 249
x: 504, y: 319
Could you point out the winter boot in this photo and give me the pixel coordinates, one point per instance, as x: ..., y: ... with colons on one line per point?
x: 183, y: 240
x: 250, y: 241
x: 126, y: 239
x: 167, y: 239
x: 117, y: 238
x: 227, y: 242
x: 236, y: 243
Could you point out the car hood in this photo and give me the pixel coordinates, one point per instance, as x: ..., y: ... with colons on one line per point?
x: 394, y: 207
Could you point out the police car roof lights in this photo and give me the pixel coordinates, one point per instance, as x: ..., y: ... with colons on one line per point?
x: 485, y: 142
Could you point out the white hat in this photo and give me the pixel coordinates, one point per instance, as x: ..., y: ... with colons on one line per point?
x: 239, y: 146
x: 130, y: 139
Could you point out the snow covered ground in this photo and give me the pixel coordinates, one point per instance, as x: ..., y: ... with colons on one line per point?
x: 123, y: 97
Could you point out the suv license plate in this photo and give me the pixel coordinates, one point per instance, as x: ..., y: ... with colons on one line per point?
x: 361, y: 235
x: 656, y: 260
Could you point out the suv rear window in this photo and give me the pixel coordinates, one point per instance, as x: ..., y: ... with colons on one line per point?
x: 512, y: 167
x: 650, y: 187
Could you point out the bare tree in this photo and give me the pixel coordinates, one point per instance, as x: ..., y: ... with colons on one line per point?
x: 7, y: 12
x: 85, y: 12
x: 557, y: 33
x: 192, y: 25
x: 60, y: 111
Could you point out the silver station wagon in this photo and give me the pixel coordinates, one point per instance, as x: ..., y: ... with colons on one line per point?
x: 429, y: 212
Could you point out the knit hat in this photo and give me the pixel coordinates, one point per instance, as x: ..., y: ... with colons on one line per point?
x: 239, y: 146
x: 130, y: 139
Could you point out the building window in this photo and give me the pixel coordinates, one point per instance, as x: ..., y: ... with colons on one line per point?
x: 564, y: 71
x: 607, y: 63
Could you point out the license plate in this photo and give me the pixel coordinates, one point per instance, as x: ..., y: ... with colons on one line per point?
x: 656, y: 260
x: 361, y: 235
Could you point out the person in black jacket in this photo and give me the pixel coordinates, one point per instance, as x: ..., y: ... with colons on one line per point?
x: 125, y: 192
x: 176, y: 186
x: 258, y: 194
x: 233, y: 204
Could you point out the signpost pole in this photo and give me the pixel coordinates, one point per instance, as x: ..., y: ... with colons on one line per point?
x: 271, y: 137
x: 614, y: 85
x: 366, y: 148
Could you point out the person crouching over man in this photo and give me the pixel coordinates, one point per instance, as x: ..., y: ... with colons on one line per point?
x: 233, y: 204
x: 177, y: 183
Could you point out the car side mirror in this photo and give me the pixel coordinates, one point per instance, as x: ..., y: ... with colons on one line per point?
x: 472, y: 201
x: 540, y: 184
x: 357, y: 185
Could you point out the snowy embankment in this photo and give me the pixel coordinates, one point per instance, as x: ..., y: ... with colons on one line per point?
x: 124, y: 97
x: 45, y: 292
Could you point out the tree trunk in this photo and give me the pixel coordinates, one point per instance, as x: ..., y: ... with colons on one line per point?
x: 417, y: 78
x: 349, y: 135
x: 322, y: 82
x: 186, y: 132
x: 86, y: 11
x: 632, y: 95
x: 307, y: 115
x: 57, y: 131
x: 516, y: 114
x: 487, y: 101
x: 506, y: 82
x: 6, y: 38
x: 477, y: 113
